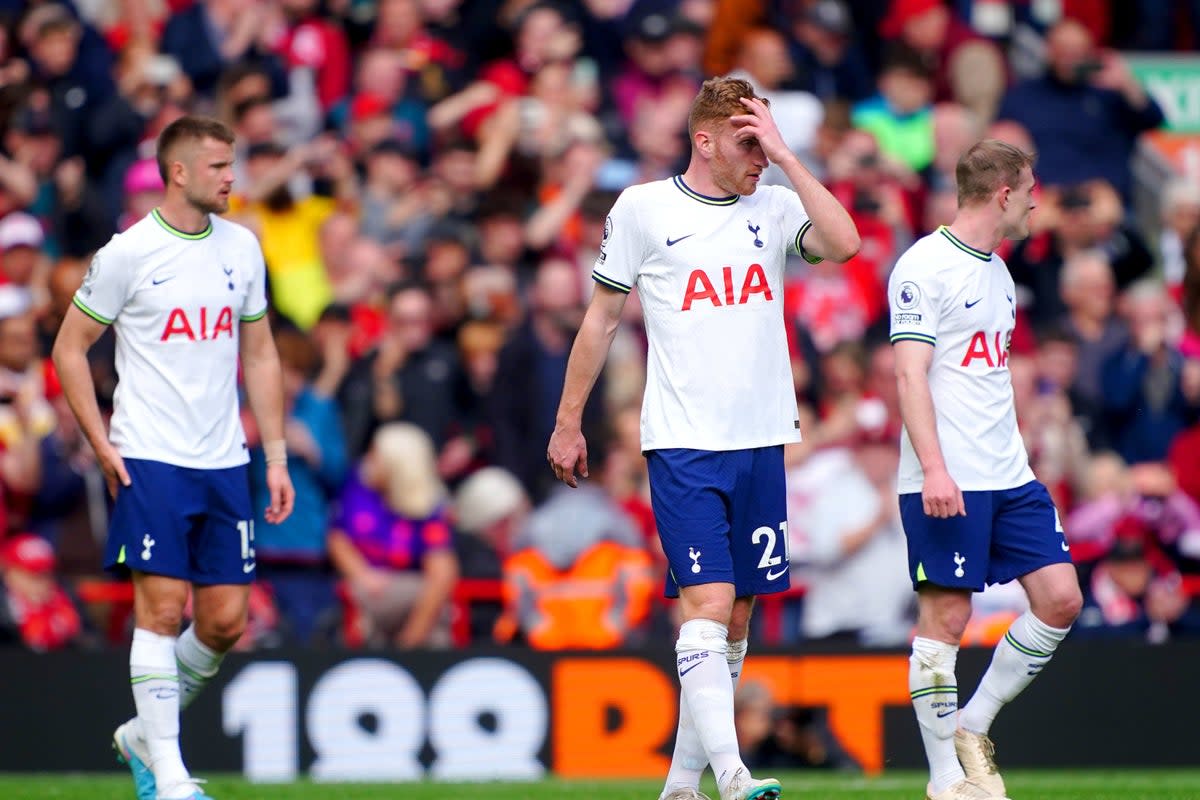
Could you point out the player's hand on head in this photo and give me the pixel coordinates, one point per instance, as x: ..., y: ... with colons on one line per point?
x: 567, y: 454
x: 758, y: 123
x: 941, y: 497
x: 283, y: 495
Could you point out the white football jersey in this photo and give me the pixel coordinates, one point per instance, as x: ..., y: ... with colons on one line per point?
x: 709, y: 273
x: 961, y: 301
x: 175, y: 301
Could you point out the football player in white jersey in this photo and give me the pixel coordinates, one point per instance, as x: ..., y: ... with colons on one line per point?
x: 706, y: 250
x: 972, y: 510
x: 184, y: 291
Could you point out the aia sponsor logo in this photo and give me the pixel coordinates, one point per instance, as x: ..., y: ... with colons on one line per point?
x: 702, y: 289
x: 988, y: 349
x: 195, y: 326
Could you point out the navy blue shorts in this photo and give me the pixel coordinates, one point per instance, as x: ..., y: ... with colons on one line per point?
x: 1006, y: 533
x: 722, y: 517
x: 194, y: 524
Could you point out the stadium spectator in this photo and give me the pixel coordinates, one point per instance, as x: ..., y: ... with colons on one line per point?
x: 1085, y: 113
x: 21, y: 260
x: 829, y: 59
x: 541, y: 34
x: 489, y: 508
x: 310, y: 42
x: 1180, y: 217
x: 536, y: 354
x: 25, y: 414
x: 396, y: 207
x: 70, y: 496
x: 209, y: 35
x: 287, y: 224
x: 651, y: 74
x: 292, y: 557
x: 1054, y: 440
x: 151, y: 92
x: 75, y: 70
x: 1150, y: 391
x: 143, y: 192
x: 901, y: 115
x: 1134, y: 591
x: 936, y: 33
x: 784, y: 738
x: 391, y: 543
x: 409, y: 375
x: 855, y: 539
x: 1107, y: 491
x: 977, y: 77
x: 578, y: 576
x: 955, y: 129
x: 1087, y: 290
x: 1084, y: 217
x: 35, y: 611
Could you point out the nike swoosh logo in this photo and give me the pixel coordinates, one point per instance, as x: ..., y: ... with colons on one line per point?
x: 942, y: 714
x: 773, y: 575
x: 683, y: 672
x: 157, y: 281
x: 1066, y: 547
x: 248, y: 568
x: 974, y: 302
x: 672, y: 242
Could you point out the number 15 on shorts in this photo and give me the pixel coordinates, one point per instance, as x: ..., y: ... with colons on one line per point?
x: 246, y: 530
x: 766, y: 537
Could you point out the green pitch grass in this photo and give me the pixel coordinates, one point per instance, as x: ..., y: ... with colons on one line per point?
x: 1029, y: 785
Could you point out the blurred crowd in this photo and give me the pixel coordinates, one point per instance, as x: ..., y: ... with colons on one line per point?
x: 430, y: 179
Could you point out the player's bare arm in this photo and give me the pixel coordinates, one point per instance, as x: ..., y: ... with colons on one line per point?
x: 567, y: 451
x: 264, y: 388
x: 833, y: 235
x: 940, y: 495
x: 75, y: 337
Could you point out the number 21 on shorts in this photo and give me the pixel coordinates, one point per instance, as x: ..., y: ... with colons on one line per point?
x: 766, y: 536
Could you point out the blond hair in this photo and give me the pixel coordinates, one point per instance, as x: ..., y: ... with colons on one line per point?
x: 403, y: 468
x: 718, y: 100
x: 988, y: 166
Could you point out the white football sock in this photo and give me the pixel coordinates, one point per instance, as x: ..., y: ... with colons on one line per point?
x: 704, y: 682
x: 1017, y: 660
x: 934, y: 692
x: 688, y: 760
x: 155, y: 684
x: 197, y: 663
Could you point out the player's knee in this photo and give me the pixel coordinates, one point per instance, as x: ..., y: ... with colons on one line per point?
x: 221, y: 633
x: 946, y: 620
x: 717, y: 609
x: 164, y: 620
x: 1061, y: 606
x: 162, y: 615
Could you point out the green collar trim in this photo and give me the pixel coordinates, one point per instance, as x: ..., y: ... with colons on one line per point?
x: 171, y: 229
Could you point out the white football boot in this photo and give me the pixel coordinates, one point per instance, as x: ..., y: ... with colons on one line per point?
x: 684, y: 793
x: 966, y: 789
x: 977, y: 755
x: 743, y: 787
